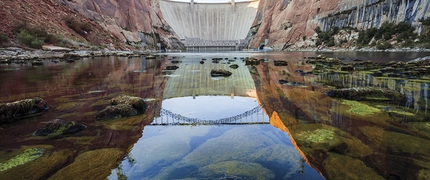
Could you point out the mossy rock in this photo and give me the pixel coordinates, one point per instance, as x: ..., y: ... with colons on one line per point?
x: 21, y: 108
x: 96, y: 164
x: 39, y: 168
x: 351, y: 168
x: 26, y: 156
x: 117, y: 111
x: 57, y: 128
x: 360, y: 108
x: 314, y: 137
x: 369, y: 94
x: 137, y: 102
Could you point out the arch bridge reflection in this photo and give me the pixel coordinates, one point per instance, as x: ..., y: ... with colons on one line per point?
x: 253, y: 116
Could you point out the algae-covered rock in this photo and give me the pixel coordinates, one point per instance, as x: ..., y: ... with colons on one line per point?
x: 58, y: 127
x: 22, y: 108
x: 351, y: 168
x: 96, y: 164
x: 123, y: 106
x: 373, y: 94
x: 238, y: 169
x: 137, y: 102
x: 117, y: 111
x: 22, y: 158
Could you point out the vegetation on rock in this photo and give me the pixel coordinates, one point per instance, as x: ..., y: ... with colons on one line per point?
x: 22, y: 158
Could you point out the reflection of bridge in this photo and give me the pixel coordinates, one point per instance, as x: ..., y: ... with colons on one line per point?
x: 253, y: 116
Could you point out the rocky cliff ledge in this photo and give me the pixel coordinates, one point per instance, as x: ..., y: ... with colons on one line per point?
x: 291, y: 24
x: 136, y: 22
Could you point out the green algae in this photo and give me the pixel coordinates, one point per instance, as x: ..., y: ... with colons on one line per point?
x: 360, y: 108
x: 420, y: 126
x: 352, y: 168
x: 96, y: 164
x: 28, y: 155
x: 69, y: 106
x: 312, y: 137
x: 237, y: 168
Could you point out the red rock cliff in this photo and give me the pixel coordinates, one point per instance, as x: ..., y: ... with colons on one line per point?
x: 137, y: 22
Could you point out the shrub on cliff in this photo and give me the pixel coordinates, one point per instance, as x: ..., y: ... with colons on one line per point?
x: 35, y: 37
x: 3, y: 38
x: 30, y: 40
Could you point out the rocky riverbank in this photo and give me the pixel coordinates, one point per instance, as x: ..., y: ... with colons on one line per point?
x: 14, y: 54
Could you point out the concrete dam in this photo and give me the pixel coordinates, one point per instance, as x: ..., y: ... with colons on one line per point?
x: 210, y: 26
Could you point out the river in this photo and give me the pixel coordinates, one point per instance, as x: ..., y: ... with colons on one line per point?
x: 245, y: 126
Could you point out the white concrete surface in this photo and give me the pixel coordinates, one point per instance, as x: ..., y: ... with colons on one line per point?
x: 210, y: 21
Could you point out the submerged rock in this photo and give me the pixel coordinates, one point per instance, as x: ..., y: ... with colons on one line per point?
x: 117, y: 111
x: 280, y: 63
x: 22, y: 158
x: 123, y: 106
x: 137, y: 102
x: 234, y: 66
x: 220, y: 73
x: 22, y: 108
x: 172, y: 67
x: 58, y: 127
x: 374, y: 94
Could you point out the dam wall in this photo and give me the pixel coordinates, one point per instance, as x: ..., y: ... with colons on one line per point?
x: 210, y: 21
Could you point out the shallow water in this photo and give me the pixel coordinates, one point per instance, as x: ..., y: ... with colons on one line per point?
x: 198, y: 127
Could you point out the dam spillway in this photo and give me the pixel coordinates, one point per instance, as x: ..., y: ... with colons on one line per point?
x: 210, y: 26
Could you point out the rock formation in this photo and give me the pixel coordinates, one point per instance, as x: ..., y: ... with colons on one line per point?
x: 288, y: 24
x: 135, y: 22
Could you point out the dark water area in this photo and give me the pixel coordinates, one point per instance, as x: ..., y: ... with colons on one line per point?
x: 245, y: 126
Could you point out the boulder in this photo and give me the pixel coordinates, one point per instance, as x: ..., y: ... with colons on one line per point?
x: 137, y: 102
x: 57, y: 128
x: 117, y: 111
x: 372, y: 94
x: 234, y: 66
x: 220, y: 73
x: 22, y: 108
x: 123, y: 106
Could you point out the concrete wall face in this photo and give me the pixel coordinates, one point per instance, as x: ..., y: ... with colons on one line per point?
x: 220, y: 21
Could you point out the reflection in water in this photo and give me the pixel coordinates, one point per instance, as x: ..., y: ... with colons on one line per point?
x: 342, y: 139
x: 205, y: 151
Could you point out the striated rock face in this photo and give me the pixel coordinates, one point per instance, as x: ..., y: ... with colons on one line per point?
x: 289, y: 24
x: 136, y: 21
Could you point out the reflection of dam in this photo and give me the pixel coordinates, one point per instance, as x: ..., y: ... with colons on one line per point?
x: 210, y: 26
x: 193, y: 79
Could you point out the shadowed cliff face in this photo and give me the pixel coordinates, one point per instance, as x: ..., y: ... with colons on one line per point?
x: 136, y: 21
x: 286, y: 23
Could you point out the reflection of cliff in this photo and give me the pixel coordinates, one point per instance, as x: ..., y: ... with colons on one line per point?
x: 77, y: 93
x: 417, y: 92
x: 344, y: 139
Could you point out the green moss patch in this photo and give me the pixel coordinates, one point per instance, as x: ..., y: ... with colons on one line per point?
x: 359, y: 108
x: 351, y: 168
x: 26, y: 156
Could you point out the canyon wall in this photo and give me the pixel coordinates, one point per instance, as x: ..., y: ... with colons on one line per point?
x: 289, y: 24
x: 137, y: 22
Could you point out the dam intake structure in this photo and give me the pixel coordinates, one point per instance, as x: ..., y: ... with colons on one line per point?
x: 210, y: 26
